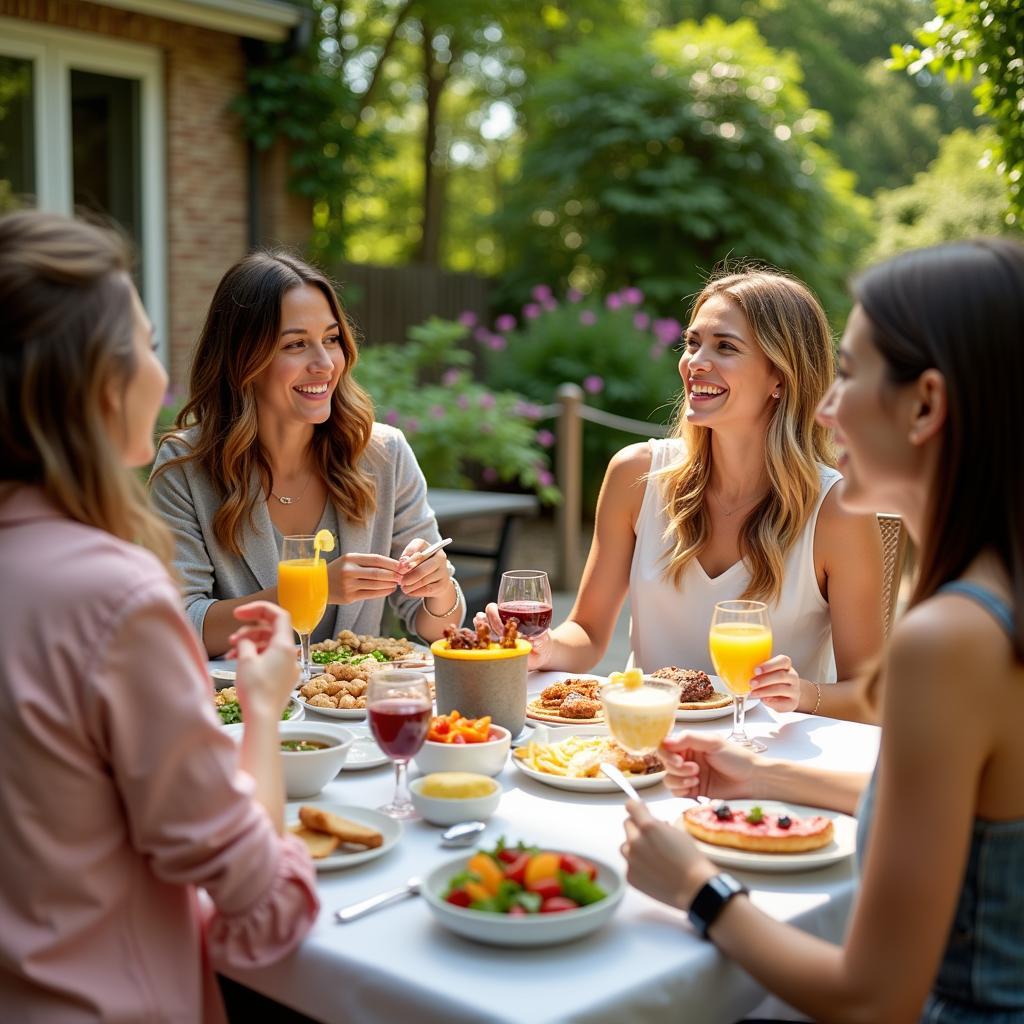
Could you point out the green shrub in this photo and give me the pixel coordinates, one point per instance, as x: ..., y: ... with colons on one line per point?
x: 458, y: 428
x: 621, y: 355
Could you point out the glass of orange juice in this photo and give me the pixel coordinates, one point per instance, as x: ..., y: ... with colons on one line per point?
x: 740, y: 639
x: 302, y: 589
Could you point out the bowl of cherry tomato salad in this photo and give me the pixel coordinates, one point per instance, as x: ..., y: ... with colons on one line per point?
x: 523, y: 895
x: 458, y: 744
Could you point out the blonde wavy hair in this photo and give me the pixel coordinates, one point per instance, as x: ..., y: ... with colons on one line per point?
x: 66, y: 327
x: 789, y: 325
x: 237, y: 343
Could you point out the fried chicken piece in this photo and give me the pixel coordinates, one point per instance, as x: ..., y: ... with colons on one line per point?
x: 511, y: 634
x: 695, y: 684
x: 637, y: 764
x: 576, y: 705
x: 346, y: 700
x: 461, y: 639
x: 321, y: 700
x: 483, y: 635
x: 554, y: 694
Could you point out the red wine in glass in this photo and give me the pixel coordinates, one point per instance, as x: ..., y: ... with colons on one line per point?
x: 400, y: 726
x: 525, y: 594
x: 534, y: 616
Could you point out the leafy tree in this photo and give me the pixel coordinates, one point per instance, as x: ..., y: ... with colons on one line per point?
x: 651, y: 158
x: 960, y: 195
x: 983, y: 38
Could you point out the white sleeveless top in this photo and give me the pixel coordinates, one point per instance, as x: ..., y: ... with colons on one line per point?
x: 669, y: 625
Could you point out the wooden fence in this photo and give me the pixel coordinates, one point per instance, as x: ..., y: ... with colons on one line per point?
x: 385, y: 302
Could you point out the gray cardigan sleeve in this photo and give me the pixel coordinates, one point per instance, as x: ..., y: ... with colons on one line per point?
x: 171, y: 496
x: 413, y: 518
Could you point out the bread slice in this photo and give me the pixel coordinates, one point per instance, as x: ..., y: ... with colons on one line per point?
x: 350, y: 832
x: 319, y: 844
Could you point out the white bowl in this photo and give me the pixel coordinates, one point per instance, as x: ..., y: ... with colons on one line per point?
x: 307, y: 772
x: 450, y: 811
x: 530, y: 929
x: 480, y: 758
x: 298, y: 712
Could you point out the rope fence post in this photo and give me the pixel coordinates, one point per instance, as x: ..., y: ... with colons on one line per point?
x: 569, y: 470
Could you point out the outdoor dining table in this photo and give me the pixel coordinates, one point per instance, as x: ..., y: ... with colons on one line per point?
x: 645, y: 965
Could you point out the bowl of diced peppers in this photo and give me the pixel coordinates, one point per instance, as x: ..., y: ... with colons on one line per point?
x: 458, y: 744
x: 523, y: 895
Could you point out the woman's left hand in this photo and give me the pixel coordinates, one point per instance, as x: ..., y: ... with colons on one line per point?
x: 662, y: 860
x: 776, y: 683
x: 429, y: 578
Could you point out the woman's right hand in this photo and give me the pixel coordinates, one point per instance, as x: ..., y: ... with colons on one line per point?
x: 267, y: 667
x: 703, y: 764
x: 537, y: 659
x: 361, y: 577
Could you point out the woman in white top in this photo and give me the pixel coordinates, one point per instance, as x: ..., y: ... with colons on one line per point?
x: 737, y: 504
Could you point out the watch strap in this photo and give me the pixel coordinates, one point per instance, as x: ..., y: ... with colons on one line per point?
x: 711, y: 899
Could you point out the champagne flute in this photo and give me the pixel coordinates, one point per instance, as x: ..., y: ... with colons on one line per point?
x: 302, y: 589
x: 740, y: 639
x: 640, y: 712
x: 525, y: 594
x: 399, y: 705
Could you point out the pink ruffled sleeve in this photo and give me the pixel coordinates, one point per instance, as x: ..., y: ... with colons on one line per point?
x: 275, y: 924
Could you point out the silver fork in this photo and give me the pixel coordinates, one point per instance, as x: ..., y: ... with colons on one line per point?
x: 620, y: 780
x: 382, y: 899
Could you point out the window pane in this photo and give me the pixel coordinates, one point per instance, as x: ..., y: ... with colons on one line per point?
x: 17, y: 134
x: 105, y: 147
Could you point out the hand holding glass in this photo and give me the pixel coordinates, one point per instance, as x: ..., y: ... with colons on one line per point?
x: 302, y: 589
x: 525, y: 594
x: 739, y: 640
x: 399, y: 705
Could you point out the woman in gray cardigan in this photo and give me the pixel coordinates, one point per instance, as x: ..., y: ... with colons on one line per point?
x: 277, y: 439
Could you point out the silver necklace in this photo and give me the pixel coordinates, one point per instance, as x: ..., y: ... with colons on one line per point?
x: 729, y: 512
x: 285, y: 500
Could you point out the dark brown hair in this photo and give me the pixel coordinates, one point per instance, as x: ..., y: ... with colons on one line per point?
x: 238, y: 342
x: 959, y: 308
x: 66, y: 329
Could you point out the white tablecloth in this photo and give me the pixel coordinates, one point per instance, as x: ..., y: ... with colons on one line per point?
x: 645, y: 966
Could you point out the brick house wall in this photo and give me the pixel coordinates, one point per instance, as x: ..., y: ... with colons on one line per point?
x: 207, y: 162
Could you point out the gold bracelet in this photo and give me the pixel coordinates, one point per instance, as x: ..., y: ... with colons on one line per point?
x: 817, y: 703
x: 454, y: 608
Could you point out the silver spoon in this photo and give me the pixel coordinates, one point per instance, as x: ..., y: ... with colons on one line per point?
x: 382, y: 899
x: 463, y: 834
x: 620, y: 780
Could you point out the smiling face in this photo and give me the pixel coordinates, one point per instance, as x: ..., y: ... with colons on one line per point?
x: 871, y: 421
x: 300, y: 380
x: 727, y: 377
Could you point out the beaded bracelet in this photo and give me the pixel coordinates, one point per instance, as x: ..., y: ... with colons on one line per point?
x: 454, y: 608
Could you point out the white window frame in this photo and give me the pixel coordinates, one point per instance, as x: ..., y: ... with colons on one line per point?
x: 55, y: 52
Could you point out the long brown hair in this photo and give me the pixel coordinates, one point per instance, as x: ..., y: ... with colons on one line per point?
x: 959, y: 308
x: 792, y: 330
x: 66, y: 330
x: 238, y: 342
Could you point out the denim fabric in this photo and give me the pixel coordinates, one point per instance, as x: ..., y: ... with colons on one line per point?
x: 981, y: 977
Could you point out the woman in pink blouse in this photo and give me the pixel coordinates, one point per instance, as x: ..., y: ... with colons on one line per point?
x: 120, y: 796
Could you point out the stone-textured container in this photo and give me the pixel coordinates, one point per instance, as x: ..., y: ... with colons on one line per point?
x: 488, y: 681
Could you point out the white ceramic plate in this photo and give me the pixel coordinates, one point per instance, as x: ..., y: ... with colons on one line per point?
x: 364, y: 753
x: 388, y: 827
x: 348, y: 714
x: 710, y: 713
x: 598, y: 785
x: 297, y: 715
x: 843, y: 845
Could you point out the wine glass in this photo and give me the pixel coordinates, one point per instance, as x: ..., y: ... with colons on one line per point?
x: 302, y: 589
x: 399, y: 705
x: 740, y: 639
x: 639, y: 716
x: 525, y: 594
